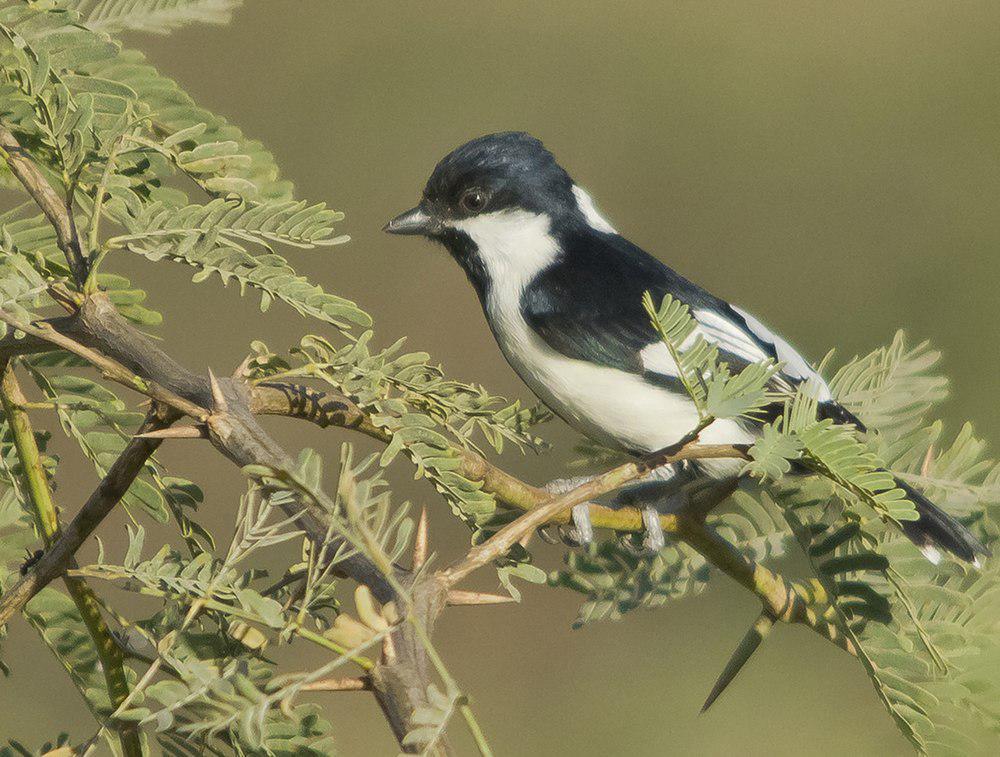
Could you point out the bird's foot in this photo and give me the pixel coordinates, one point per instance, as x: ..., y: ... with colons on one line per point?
x: 581, y: 533
x: 583, y: 529
x: 563, y: 485
x: 653, y: 539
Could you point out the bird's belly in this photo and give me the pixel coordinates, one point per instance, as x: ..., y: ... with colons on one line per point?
x: 613, y: 407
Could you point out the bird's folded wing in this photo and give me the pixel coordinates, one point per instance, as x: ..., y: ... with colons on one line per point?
x: 596, y: 314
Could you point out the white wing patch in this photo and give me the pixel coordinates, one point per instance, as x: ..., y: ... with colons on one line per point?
x: 732, y: 338
x: 656, y: 358
x: 586, y: 205
x: 729, y: 336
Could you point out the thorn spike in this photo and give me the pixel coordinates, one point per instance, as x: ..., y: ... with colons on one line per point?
x: 241, y: 370
x: 761, y: 627
x: 456, y: 598
x: 421, y: 541
x: 339, y: 684
x: 176, y: 432
x: 218, y: 398
x: 928, y: 460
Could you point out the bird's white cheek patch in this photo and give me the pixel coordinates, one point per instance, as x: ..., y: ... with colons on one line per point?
x: 586, y: 205
x: 514, y: 245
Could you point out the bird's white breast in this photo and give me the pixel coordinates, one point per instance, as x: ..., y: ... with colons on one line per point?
x: 613, y: 407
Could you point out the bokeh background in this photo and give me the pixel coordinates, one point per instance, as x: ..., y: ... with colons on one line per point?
x: 831, y: 167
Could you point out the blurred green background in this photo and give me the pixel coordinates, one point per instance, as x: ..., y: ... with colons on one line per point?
x: 831, y: 167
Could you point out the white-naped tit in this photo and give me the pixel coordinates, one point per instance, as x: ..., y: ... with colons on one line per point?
x: 562, y: 292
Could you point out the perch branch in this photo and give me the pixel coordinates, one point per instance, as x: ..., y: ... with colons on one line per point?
x: 786, y: 602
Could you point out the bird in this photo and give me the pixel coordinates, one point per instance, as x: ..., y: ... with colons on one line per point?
x: 562, y: 292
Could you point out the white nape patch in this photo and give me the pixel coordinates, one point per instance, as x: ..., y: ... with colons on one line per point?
x: 586, y: 205
x: 932, y: 553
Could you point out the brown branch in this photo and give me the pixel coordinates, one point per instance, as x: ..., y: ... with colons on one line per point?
x: 110, y: 368
x: 11, y: 346
x: 107, y: 494
x: 54, y: 208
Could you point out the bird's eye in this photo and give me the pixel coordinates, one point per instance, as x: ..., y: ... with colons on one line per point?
x: 473, y: 200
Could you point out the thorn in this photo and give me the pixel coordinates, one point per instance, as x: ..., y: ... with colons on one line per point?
x: 928, y: 460
x: 457, y: 597
x: 420, y: 541
x: 177, y: 432
x: 241, y: 370
x: 339, y: 684
x: 761, y: 627
x: 388, y: 650
x: 218, y: 398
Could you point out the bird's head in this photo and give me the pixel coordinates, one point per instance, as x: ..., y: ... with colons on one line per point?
x: 495, y: 197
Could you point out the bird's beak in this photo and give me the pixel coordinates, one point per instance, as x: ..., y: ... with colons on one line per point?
x: 413, y: 221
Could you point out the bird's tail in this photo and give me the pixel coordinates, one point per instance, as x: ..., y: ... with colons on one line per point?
x: 936, y: 530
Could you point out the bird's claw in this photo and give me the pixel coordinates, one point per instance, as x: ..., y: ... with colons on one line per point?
x: 653, y: 539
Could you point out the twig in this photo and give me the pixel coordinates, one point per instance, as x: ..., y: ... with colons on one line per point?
x: 48, y: 200
x: 501, y: 542
x: 107, y: 494
x: 110, y: 656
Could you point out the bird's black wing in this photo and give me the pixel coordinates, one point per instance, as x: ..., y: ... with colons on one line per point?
x: 588, y: 305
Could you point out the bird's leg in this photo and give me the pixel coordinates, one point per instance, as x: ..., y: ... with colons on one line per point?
x: 651, y: 506
x: 582, y: 532
x: 654, y: 540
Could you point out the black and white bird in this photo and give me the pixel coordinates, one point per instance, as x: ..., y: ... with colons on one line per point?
x: 562, y: 292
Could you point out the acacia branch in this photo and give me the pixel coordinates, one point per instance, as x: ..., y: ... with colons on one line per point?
x: 500, y: 543
x: 109, y: 368
x: 98, y: 334
x: 55, y: 209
